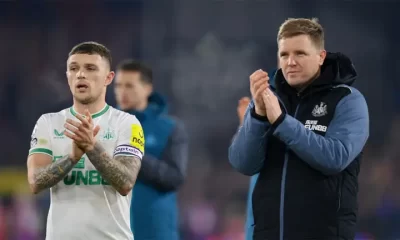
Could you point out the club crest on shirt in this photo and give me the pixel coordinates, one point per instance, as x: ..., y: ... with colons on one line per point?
x: 107, y: 134
x: 320, y: 110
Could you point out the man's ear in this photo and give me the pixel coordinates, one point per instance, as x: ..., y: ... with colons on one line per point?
x: 110, y: 78
x: 322, y: 56
x: 149, y: 89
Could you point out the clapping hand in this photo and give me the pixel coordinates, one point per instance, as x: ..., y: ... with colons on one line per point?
x: 259, y: 82
x: 83, y: 133
x: 272, y: 107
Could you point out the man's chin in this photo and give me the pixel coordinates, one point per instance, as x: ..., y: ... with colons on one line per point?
x: 124, y: 107
x: 84, y: 100
x: 296, y: 81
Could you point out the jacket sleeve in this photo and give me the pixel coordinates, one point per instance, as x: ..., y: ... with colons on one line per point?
x: 344, y: 140
x: 248, y: 148
x: 168, y: 173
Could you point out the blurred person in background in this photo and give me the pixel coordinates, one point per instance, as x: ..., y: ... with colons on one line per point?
x: 304, y: 137
x: 241, y: 109
x: 89, y: 155
x: 154, y: 212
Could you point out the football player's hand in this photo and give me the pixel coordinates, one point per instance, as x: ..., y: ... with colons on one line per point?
x: 83, y: 133
x: 76, y: 153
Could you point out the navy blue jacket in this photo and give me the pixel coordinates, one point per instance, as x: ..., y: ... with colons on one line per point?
x: 249, y: 209
x: 154, y: 210
x: 309, y: 159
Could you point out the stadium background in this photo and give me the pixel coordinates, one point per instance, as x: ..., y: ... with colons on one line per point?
x: 202, y: 53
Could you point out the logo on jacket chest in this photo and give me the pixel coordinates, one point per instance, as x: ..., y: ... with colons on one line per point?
x: 320, y: 110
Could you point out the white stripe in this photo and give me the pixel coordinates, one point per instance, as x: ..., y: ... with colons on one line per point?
x: 344, y: 86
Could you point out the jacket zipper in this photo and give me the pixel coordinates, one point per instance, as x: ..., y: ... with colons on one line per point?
x: 283, y: 181
x: 285, y: 164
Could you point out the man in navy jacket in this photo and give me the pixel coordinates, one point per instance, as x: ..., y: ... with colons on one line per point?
x: 154, y: 209
x: 304, y: 138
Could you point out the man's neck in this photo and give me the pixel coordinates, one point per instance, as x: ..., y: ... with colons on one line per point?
x: 140, y: 107
x: 92, y: 107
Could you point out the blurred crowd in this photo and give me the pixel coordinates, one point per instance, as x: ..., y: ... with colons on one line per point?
x: 202, y: 54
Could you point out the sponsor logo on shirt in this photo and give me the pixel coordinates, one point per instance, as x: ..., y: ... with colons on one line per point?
x: 137, y: 137
x: 86, y: 177
x: 314, y: 126
x: 58, y: 135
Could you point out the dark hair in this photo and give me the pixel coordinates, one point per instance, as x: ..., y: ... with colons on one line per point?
x: 135, y: 66
x: 92, y: 48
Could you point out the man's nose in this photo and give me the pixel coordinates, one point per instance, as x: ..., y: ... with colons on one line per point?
x: 291, y: 61
x: 80, y: 75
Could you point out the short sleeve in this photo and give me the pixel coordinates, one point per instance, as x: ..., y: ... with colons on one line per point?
x: 130, y: 138
x: 40, y: 139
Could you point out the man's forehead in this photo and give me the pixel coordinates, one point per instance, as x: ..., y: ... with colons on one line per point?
x: 85, y: 59
x: 295, y: 43
x: 127, y: 75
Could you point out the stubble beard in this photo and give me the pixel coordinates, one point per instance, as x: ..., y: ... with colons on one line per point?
x: 86, y: 100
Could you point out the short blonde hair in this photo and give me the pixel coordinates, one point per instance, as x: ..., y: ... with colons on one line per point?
x: 298, y: 26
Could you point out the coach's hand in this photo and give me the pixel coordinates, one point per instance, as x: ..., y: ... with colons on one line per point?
x: 259, y: 82
x: 272, y: 106
x: 83, y: 133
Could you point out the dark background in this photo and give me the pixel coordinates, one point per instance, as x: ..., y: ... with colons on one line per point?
x: 202, y: 53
